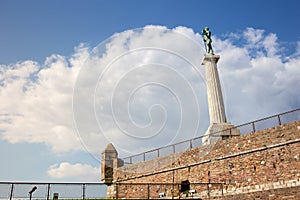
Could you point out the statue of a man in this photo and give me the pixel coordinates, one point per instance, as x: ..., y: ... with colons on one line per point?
x: 207, y: 39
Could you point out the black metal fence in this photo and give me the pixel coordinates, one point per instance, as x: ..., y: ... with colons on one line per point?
x: 97, y: 191
x: 261, y: 124
x: 20, y: 190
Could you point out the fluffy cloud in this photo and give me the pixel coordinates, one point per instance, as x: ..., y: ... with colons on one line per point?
x: 264, y: 80
x: 35, y: 103
x: 142, y: 89
x: 78, y: 171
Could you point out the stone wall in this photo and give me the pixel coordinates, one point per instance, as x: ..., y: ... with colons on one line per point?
x: 263, y: 163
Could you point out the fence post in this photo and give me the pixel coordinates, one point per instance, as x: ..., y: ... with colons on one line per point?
x: 173, y: 148
x: 148, y: 188
x: 279, y: 120
x: 158, y: 153
x: 11, y: 191
x: 222, y: 189
x: 253, y: 126
x: 83, y: 191
x: 117, y: 191
x: 208, y: 191
x: 48, y: 191
x: 144, y: 156
x: 173, y: 186
x: 191, y: 145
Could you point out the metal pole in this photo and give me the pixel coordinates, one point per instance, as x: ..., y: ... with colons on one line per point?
x: 117, y: 191
x: 83, y: 191
x: 253, y: 126
x: 173, y: 184
x: 11, y: 191
x: 222, y: 189
x: 48, y: 191
x: 148, y: 188
x: 279, y: 120
x: 208, y: 192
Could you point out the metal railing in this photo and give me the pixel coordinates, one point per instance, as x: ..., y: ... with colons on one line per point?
x: 20, y: 190
x: 97, y: 191
x: 253, y: 126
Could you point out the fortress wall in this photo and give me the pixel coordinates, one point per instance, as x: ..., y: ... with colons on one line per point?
x: 267, y: 160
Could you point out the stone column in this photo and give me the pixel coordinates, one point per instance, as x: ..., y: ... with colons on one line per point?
x: 214, y: 93
x: 219, y: 127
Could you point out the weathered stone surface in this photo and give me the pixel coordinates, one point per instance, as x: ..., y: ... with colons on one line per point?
x: 262, y: 163
x: 110, y: 161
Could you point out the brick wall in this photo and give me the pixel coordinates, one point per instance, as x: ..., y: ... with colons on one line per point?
x: 263, y: 163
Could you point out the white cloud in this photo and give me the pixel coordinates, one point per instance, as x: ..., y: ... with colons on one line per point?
x: 260, y: 44
x: 142, y: 89
x: 74, y: 172
x: 256, y: 76
x: 271, y: 45
x: 253, y: 36
x: 145, y: 89
x: 36, y: 101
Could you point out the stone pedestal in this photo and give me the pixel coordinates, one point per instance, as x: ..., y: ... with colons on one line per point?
x: 219, y: 131
x: 219, y: 127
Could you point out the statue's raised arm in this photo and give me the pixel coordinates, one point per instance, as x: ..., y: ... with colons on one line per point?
x: 207, y: 39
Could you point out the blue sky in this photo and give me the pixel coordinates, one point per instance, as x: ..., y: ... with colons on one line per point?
x: 36, y: 29
x: 45, y: 45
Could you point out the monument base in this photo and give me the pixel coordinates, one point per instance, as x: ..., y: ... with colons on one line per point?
x: 219, y: 131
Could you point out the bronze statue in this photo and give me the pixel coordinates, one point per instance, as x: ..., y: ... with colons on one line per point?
x: 207, y: 39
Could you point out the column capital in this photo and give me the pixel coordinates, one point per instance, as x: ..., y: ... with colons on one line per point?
x: 210, y: 58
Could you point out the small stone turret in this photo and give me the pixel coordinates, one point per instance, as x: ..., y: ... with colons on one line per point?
x: 110, y: 161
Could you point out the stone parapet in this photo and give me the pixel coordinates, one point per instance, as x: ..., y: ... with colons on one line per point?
x: 267, y: 159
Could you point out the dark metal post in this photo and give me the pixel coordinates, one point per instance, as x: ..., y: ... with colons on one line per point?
x: 117, y: 191
x: 173, y: 148
x: 11, y: 191
x: 279, y: 120
x: 253, y: 126
x: 191, y: 145
x: 208, y: 192
x: 222, y: 189
x: 208, y: 185
x: 48, y: 191
x: 83, y: 191
x: 173, y: 188
x: 148, y: 189
x: 158, y: 153
x: 144, y: 156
